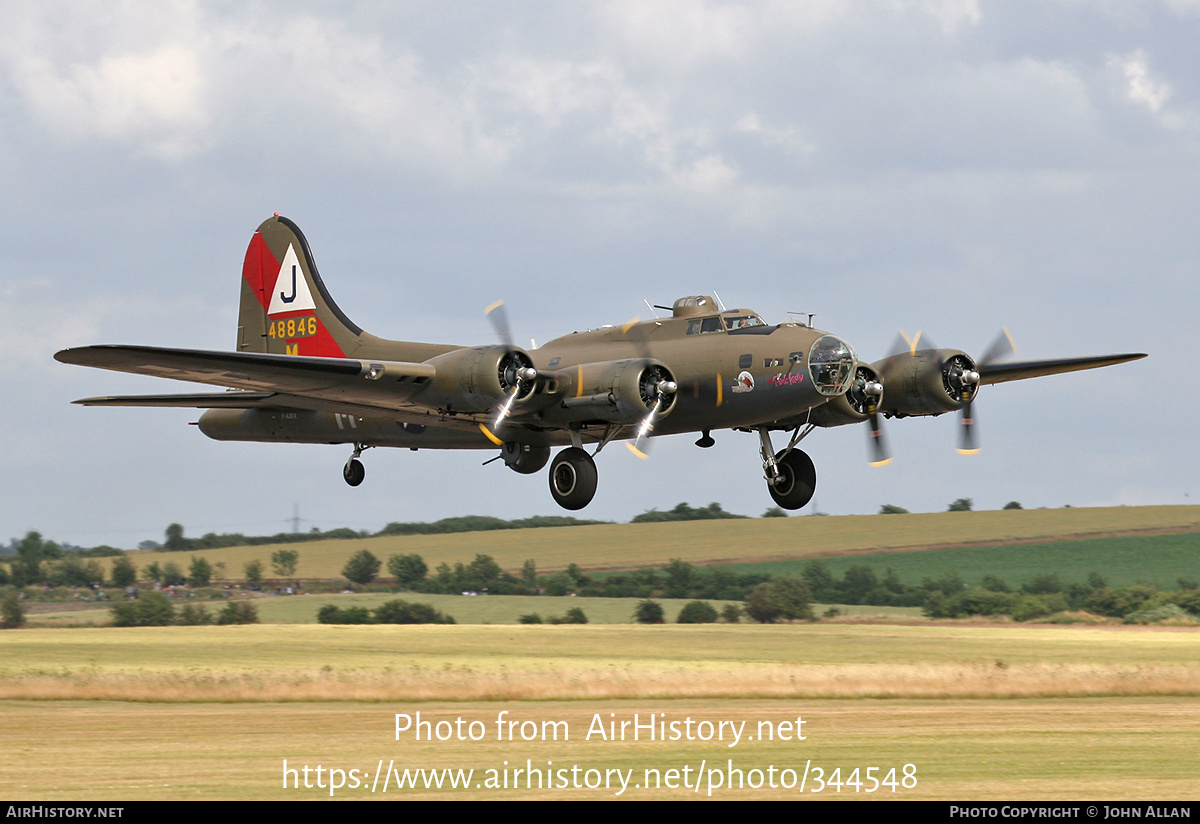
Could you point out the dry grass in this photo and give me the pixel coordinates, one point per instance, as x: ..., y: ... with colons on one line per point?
x: 550, y: 682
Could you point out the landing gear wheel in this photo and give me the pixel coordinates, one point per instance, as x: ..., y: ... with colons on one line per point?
x: 797, y: 480
x: 573, y: 478
x: 354, y: 472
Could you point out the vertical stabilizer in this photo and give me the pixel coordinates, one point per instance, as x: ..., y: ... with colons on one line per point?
x: 285, y: 308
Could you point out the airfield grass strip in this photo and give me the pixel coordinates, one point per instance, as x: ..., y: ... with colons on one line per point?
x: 675, y: 680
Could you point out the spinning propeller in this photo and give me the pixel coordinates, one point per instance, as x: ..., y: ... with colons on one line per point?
x: 960, y: 378
x: 655, y: 386
x: 515, y: 372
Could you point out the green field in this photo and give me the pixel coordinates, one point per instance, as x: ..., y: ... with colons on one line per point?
x: 1155, y: 559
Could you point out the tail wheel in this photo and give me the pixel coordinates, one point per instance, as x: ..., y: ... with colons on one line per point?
x: 354, y: 472
x: 797, y: 480
x: 573, y: 478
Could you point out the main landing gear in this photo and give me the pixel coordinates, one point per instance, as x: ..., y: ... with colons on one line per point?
x: 791, y: 476
x: 573, y: 478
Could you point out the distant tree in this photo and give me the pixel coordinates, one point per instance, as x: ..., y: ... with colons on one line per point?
x: 254, y: 572
x: 994, y: 583
x: 1013, y: 505
x: 961, y: 505
x: 892, y: 509
x: 680, y: 579
x: 238, y: 612
x: 483, y: 572
x: 575, y: 616
x: 774, y: 512
x: 172, y: 575
x: 697, y: 612
x: 858, y: 582
x: 529, y: 571
x: 821, y: 582
x: 731, y: 614
x: 402, y: 612
x: 175, y: 540
x: 150, y: 609
x: 362, y: 567
x: 782, y: 599
x: 27, y: 566
x: 199, y: 571
x: 530, y: 618
x: 194, y: 615
x: 72, y: 572
x: 12, y: 615
x: 284, y: 561
x: 123, y: 573
x: 407, y: 569
x: 152, y: 572
x: 648, y: 612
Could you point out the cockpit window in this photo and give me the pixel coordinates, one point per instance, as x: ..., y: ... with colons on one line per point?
x: 700, y: 326
x: 743, y: 321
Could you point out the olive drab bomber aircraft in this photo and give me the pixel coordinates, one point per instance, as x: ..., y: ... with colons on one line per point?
x: 303, y: 372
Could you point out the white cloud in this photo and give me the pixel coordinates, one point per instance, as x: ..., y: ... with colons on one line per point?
x: 1140, y: 87
x: 153, y: 99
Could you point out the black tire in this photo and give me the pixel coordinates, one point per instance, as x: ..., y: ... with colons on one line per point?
x: 354, y: 472
x: 797, y: 482
x: 573, y: 478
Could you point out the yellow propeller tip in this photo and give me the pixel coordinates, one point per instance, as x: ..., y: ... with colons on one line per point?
x: 629, y: 325
x: 637, y: 451
x: 493, y: 307
x: 488, y: 433
x: 884, y: 462
x: 968, y: 452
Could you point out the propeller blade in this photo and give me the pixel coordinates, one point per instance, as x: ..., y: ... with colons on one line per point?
x: 499, y: 318
x: 966, y: 441
x: 640, y: 445
x: 1001, y: 348
x: 879, y: 451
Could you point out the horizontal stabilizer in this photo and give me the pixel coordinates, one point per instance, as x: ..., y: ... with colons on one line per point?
x: 1020, y: 370
x: 203, y: 400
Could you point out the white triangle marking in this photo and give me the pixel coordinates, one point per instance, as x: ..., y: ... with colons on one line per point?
x: 291, y: 292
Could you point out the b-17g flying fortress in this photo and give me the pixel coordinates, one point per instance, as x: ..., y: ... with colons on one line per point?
x: 303, y: 372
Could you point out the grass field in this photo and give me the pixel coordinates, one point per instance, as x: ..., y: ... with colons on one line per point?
x: 1155, y: 559
x: 620, y: 546
x: 981, y: 712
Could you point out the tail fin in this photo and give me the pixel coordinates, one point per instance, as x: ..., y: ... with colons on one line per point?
x: 285, y: 307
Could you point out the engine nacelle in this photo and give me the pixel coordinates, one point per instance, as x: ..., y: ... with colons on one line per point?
x: 855, y: 406
x: 929, y: 382
x: 617, y: 391
x: 478, y: 379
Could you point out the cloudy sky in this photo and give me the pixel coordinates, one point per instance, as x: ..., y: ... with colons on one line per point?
x: 953, y: 166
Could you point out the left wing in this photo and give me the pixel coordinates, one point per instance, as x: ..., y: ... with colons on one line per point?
x: 1020, y: 370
